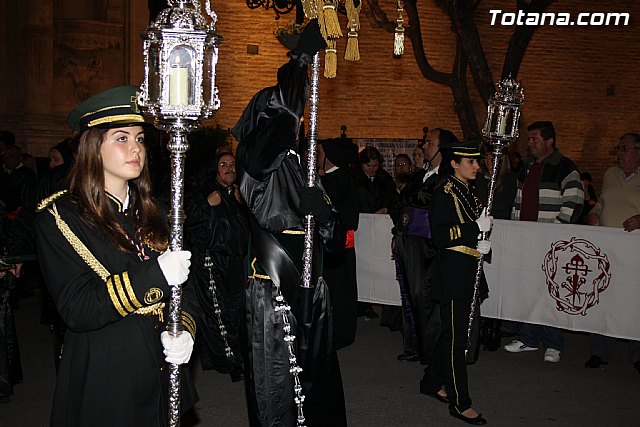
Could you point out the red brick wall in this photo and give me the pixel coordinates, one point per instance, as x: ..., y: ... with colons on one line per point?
x: 565, y: 74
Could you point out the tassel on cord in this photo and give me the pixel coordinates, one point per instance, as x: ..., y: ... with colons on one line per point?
x: 398, y: 37
x: 330, y: 59
x: 328, y: 19
x: 352, y: 53
x: 310, y: 8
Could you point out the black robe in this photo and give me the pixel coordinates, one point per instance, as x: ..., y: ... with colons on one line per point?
x: 270, y: 184
x: 222, y: 233
x: 339, y: 267
x: 112, y: 370
x: 416, y: 253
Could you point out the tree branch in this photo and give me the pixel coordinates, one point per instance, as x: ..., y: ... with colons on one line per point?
x: 520, y: 38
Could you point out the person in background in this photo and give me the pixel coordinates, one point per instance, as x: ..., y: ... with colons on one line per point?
x: 376, y: 189
x: 376, y: 192
x: 402, y: 164
x: 506, y: 186
x: 619, y: 206
x: 414, y: 253
x: 590, y: 197
x: 217, y: 232
x: 549, y: 190
x: 418, y: 156
x: 339, y: 267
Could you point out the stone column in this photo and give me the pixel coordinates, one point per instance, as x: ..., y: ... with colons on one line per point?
x: 38, y: 128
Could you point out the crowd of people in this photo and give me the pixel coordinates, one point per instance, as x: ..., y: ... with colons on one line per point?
x: 99, y: 229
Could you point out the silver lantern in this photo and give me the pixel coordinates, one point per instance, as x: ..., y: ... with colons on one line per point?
x: 179, y: 91
x: 500, y: 130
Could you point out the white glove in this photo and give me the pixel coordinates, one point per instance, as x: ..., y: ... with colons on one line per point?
x: 484, y: 246
x: 177, y: 349
x: 175, y: 266
x: 484, y: 221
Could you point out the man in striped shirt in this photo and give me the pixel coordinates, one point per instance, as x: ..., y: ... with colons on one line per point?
x: 549, y: 190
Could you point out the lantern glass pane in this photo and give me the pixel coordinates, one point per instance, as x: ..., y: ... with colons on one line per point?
x: 208, y: 75
x: 154, y: 73
x: 181, y: 76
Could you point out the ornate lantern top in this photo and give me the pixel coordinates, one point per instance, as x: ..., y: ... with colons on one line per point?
x: 185, y: 14
x: 503, y: 111
x: 180, y: 57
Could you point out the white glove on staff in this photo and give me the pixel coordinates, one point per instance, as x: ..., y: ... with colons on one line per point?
x: 484, y: 246
x: 484, y: 221
x: 175, y: 266
x: 177, y: 349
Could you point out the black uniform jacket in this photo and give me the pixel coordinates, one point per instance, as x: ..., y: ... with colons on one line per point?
x: 454, y: 232
x: 112, y: 371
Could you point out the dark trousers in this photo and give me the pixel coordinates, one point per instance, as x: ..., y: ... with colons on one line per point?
x: 449, y: 367
x: 603, y: 346
x: 339, y: 271
x: 417, y: 257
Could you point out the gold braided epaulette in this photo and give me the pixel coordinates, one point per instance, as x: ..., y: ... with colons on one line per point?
x: 42, y: 205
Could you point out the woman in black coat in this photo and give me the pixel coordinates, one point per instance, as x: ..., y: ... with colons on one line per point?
x: 456, y: 219
x: 102, y: 246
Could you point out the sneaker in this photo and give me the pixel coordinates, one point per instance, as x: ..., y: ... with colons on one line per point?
x: 517, y: 346
x: 552, y: 355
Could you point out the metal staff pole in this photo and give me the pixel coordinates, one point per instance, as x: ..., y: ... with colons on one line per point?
x: 178, y: 147
x: 500, y: 129
x: 309, y: 223
x: 179, y: 91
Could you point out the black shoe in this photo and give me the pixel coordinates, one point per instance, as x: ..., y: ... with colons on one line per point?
x: 409, y: 357
x: 476, y: 421
x: 369, y: 315
x: 435, y: 395
x: 637, y: 366
x: 594, y: 362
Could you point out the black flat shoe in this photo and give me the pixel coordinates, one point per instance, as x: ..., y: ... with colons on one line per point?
x: 476, y: 421
x: 409, y: 357
x: 594, y: 362
x: 435, y: 395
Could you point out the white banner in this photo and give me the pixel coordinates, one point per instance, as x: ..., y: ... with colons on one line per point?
x: 374, y: 267
x: 574, y: 277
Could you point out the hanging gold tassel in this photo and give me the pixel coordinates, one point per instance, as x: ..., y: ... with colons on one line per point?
x: 310, y: 8
x: 398, y: 37
x: 352, y: 52
x: 328, y: 19
x: 330, y: 60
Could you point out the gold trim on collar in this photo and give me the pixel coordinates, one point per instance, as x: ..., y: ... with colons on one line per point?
x: 116, y: 201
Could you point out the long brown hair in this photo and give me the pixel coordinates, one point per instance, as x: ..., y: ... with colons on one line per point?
x: 86, y: 183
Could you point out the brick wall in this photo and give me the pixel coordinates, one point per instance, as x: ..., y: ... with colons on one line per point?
x: 565, y: 73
